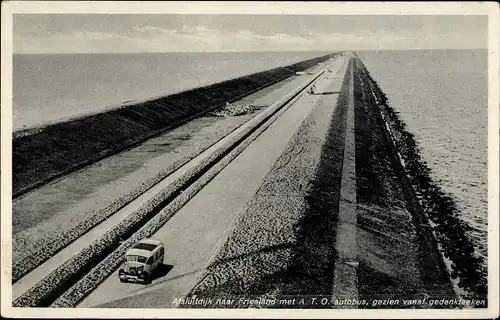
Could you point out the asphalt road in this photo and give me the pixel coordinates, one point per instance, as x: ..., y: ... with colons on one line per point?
x: 198, y: 229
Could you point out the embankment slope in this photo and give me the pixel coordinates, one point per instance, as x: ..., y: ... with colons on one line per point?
x: 398, y: 258
x: 442, y: 233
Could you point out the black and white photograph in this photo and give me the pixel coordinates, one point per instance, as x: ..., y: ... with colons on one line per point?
x: 213, y: 159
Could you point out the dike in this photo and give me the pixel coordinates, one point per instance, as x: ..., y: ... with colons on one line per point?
x: 43, y: 154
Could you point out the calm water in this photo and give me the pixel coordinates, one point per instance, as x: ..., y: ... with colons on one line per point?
x: 443, y: 97
x: 52, y: 87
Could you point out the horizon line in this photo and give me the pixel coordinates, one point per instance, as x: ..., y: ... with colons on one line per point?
x: 256, y: 51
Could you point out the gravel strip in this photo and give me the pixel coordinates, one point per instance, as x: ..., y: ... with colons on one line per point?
x: 233, y: 110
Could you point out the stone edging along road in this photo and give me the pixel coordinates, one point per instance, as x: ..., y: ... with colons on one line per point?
x: 57, y: 282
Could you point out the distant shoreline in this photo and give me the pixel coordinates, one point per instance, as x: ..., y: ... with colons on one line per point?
x: 236, y: 52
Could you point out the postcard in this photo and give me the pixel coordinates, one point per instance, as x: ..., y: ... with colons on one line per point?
x: 250, y: 159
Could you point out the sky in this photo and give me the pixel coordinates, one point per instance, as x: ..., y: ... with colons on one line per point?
x: 119, y: 33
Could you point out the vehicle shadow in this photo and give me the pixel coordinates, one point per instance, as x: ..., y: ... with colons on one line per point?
x: 162, y: 271
x: 326, y: 92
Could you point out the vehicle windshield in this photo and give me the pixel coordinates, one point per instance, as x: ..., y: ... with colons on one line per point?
x: 136, y: 258
x: 145, y: 246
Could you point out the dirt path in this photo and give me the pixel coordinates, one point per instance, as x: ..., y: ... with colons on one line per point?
x: 345, y: 284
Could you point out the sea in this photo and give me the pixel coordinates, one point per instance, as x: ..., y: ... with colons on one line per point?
x: 440, y: 94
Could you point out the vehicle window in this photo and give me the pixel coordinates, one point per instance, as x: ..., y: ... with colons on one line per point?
x: 150, y: 261
x: 161, y: 251
x: 145, y: 246
x: 134, y: 258
x: 131, y: 258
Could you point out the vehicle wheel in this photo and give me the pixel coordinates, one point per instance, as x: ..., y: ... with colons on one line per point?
x: 148, y: 279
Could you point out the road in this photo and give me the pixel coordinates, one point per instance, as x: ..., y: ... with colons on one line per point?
x: 44, y: 221
x: 198, y: 229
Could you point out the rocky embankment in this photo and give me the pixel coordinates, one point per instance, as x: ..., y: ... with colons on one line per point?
x: 398, y: 257
x: 431, y: 202
x: 43, y: 154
